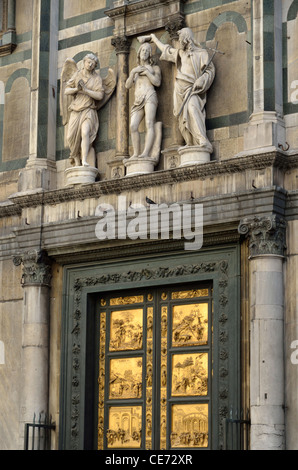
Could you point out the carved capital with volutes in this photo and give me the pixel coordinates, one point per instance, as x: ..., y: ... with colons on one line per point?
x: 266, y: 235
x: 36, y: 268
x: 121, y: 44
x: 174, y: 24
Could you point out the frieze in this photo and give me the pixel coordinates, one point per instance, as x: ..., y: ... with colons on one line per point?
x: 158, y: 178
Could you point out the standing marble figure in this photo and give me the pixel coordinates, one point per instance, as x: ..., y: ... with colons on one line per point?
x: 146, y: 76
x: 195, y: 74
x: 83, y: 93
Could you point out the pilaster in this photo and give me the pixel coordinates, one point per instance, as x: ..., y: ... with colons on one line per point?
x: 267, y: 388
x: 36, y: 280
x: 40, y: 171
x: 266, y: 127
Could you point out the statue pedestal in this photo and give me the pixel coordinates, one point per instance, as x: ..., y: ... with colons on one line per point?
x: 194, y: 155
x: 80, y: 175
x: 139, y: 166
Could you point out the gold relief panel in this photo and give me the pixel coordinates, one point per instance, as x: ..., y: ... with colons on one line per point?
x: 190, y: 325
x: 125, y: 427
x: 126, y: 377
x: 189, y: 425
x: 190, y: 374
x: 190, y: 294
x: 126, y: 330
x: 135, y: 299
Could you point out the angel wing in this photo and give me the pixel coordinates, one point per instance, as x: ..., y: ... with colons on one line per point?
x: 109, y: 84
x: 68, y: 70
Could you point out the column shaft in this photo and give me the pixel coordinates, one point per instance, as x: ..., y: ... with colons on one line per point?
x: 267, y: 353
x: 122, y: 45
x: 267, y: 366
x: 35, y: 338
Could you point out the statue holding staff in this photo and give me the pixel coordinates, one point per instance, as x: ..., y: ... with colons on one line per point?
x: 195, y: 75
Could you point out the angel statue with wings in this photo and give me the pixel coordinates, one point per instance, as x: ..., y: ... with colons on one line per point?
x: 83, y: 93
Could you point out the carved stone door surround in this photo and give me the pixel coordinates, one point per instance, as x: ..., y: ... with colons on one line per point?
x: 84, y: 285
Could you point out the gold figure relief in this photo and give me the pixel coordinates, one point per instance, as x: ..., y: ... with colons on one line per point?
x: 149, y: 378
x: 126, y: 377
x: 103, y: 302
x: 163, y: 378
x: 101, y: 381
x: 189, y: 425
x: 150, y: 297
x: 125, y: 427
x: 164, y: 296
x: 126, y: 330
x: 190, y: 294
x: 190, y: 374
x: 136, y: 299
x: 190, y: 325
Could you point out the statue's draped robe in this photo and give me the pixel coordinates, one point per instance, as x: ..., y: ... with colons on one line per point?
x: 189, y: 105
x: 83, y: 107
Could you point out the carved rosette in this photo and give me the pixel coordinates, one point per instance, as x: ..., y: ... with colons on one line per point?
x: 121, y: 44
x: 36, y: 268
x: 267, y: 235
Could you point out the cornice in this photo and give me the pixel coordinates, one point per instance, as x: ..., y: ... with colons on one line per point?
x: 19, y: 201
x: 125, y: 7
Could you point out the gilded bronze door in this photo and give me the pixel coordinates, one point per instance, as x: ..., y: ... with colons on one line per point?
x: 155, y: 369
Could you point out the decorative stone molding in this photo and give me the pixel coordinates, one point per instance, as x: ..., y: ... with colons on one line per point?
x: 36, y: 268
x: 139, y: 182
x: 267, y: 235
x: 129, y: 16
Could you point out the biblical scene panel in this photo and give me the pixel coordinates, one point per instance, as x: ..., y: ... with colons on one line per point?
x: 189, y: 425
x: 190, y: 374
x: 126, y: 377
x: 190, y: 325
x: 125, y: 427
x: 126, y: 332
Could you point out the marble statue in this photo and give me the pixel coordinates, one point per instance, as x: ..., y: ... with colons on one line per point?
x: 144, y: 77
x: 83, y: 93
x: 195, y: 74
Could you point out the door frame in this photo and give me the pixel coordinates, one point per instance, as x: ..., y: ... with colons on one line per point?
x: 82, y: 284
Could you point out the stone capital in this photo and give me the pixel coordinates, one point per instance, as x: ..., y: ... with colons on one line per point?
x: 36, y: 268
x: 121, y: 44
x: 267, y: 235
x: 174, y: 24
